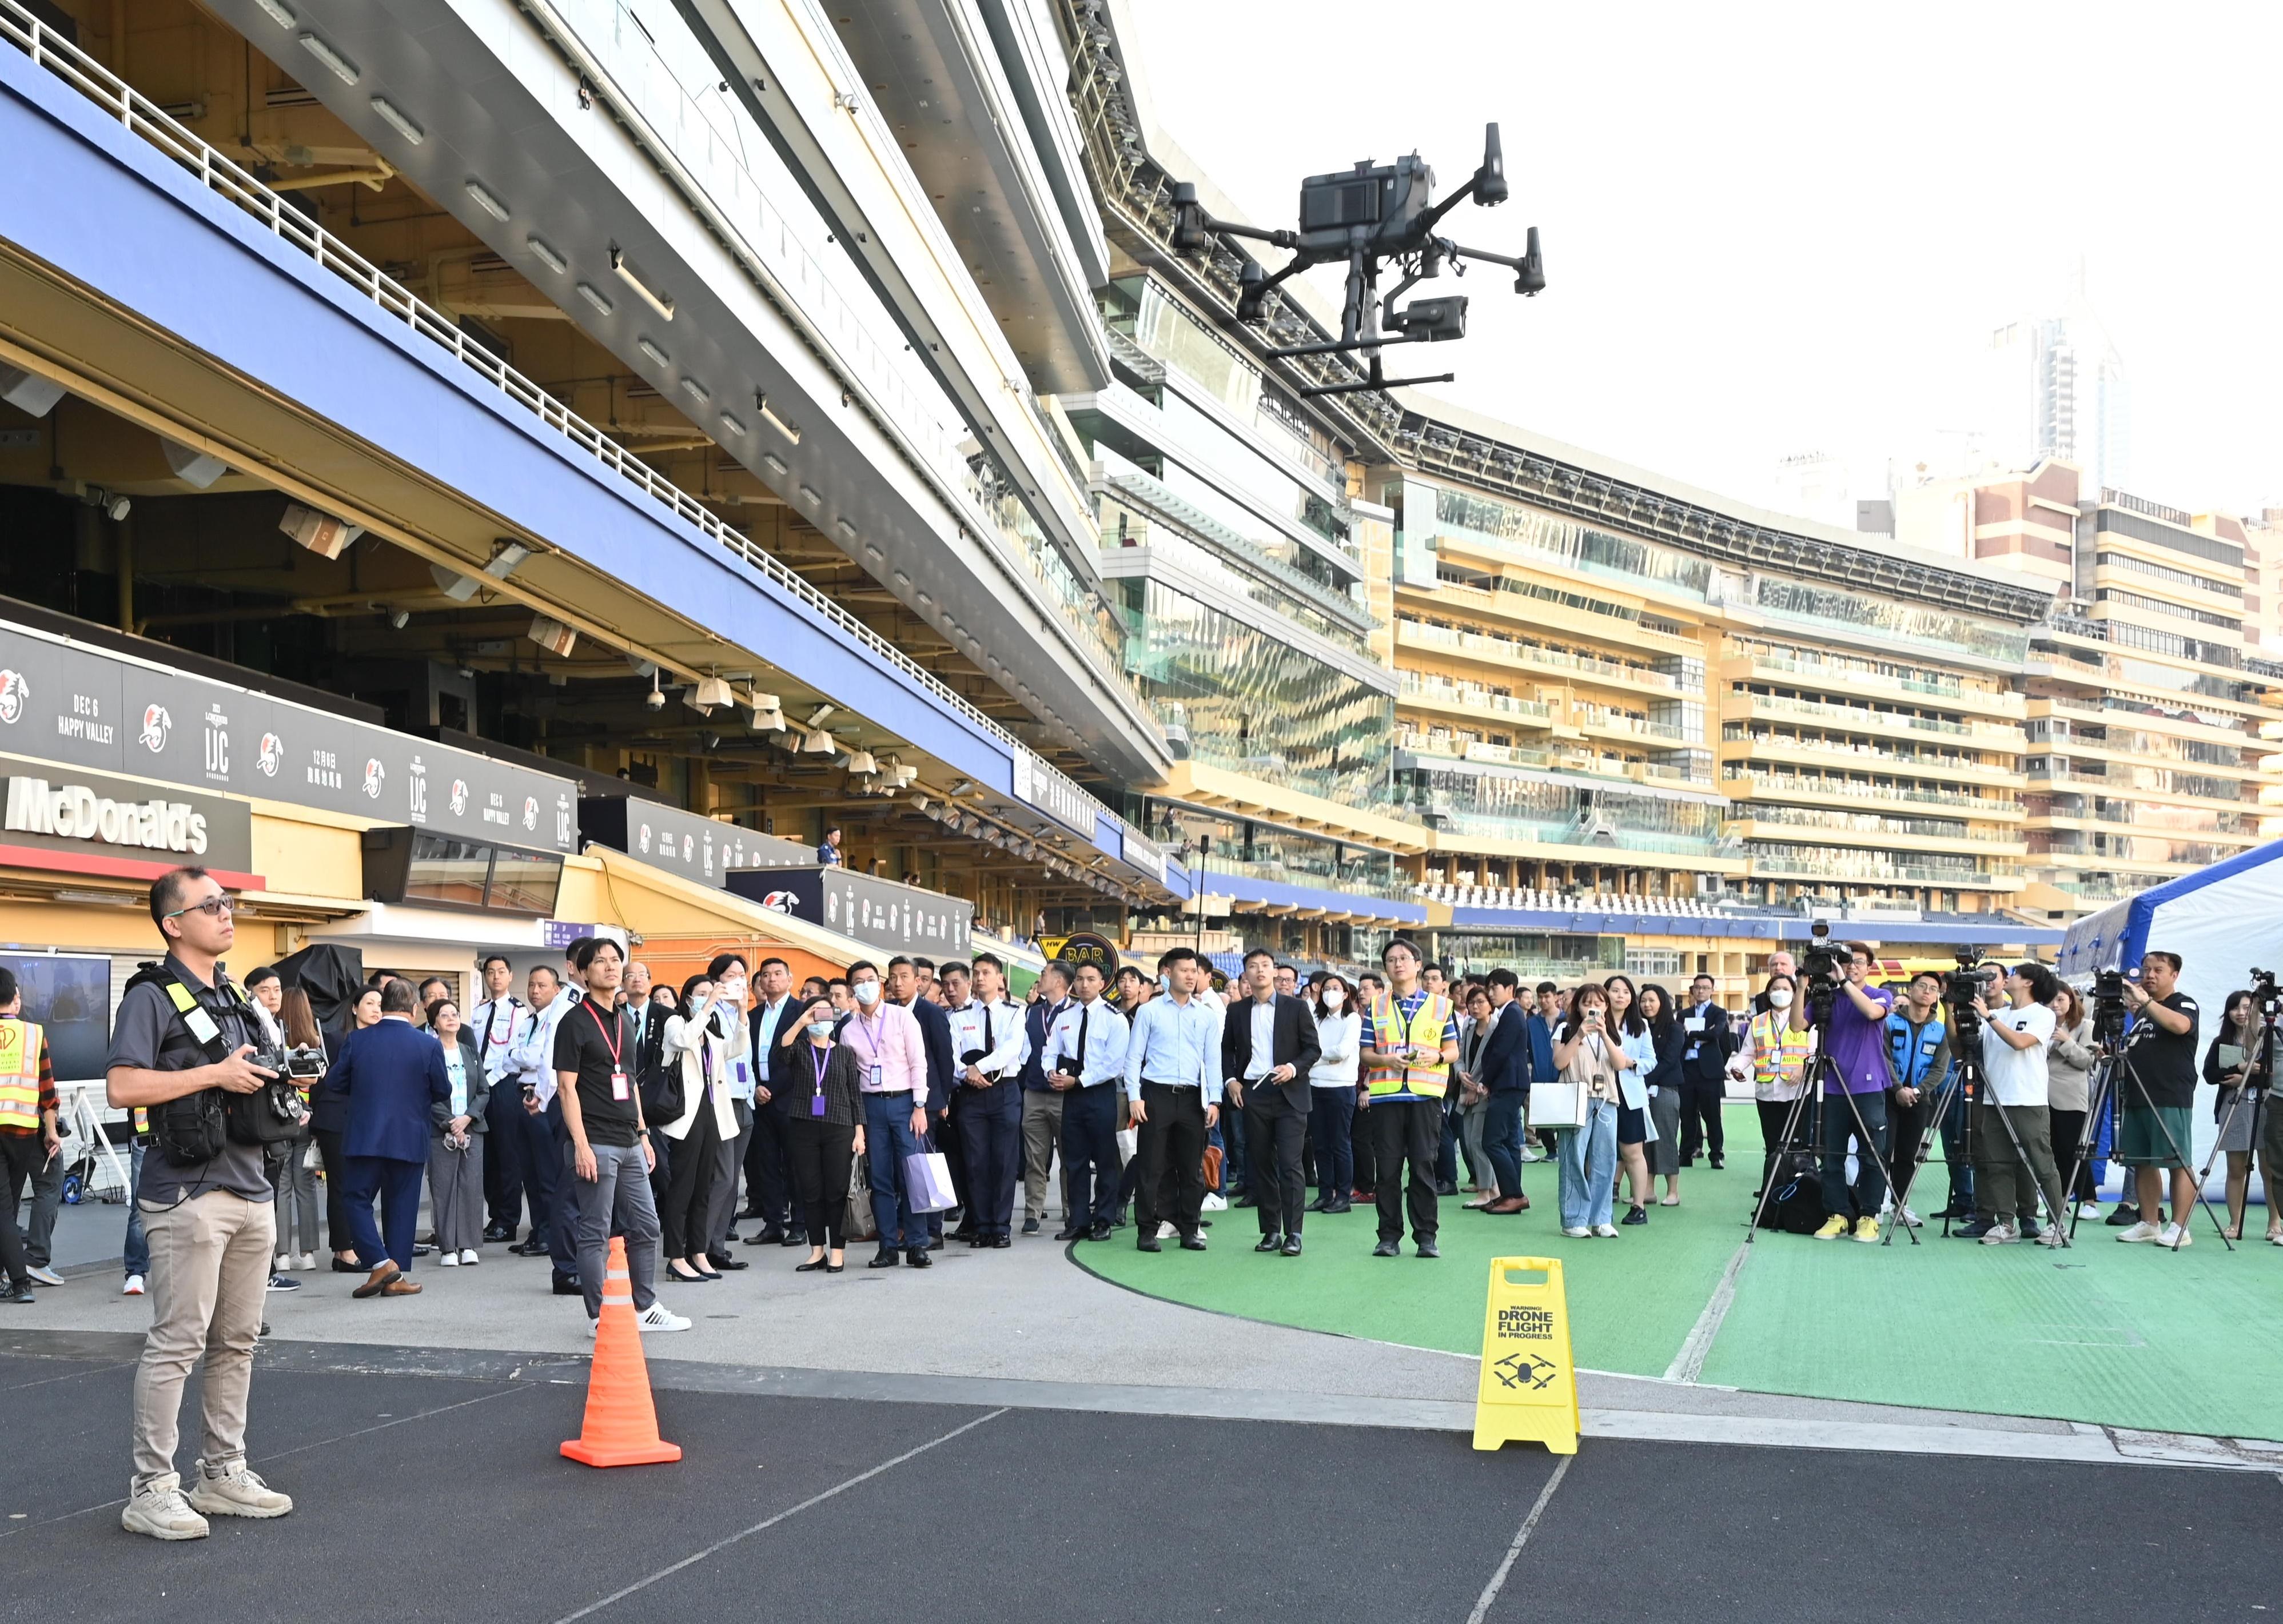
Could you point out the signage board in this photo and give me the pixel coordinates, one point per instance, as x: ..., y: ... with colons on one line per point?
x: 881, y: 913
x: 67, y: 704
x: 68, y: 810
x: 696, y: 847
x: 1083, y: 947
x: 1038, y: 785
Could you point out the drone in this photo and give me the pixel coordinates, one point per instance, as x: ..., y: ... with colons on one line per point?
x: 1364, y: 216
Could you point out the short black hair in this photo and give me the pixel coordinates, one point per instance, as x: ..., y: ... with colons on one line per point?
x: 571, y: 949
x: 1406, y: 944
x: 484, y: 964
x: 1059, y: 967
x: 426, y: 982
x: 954, y: 967
x: 429, y: 1014
x: 1134, y: 970
x: 1172, y: 956
x: 592, y: 948
x: 992, y: 960
x: 2171, y: 959
x: 1286, y: 965
x: 398, y: 997
x: 8, y: 987
x: 719, y: 966
x: 919, y: 963
x: 254, y: 977
x: 863, y: 964
x: 166, y: 892
x: 771, y: 960
x: 1503, y: 977
x: 1547, y: 986
x: 905, y: 960
x: 2043, y: 984
x: 1250, y: 954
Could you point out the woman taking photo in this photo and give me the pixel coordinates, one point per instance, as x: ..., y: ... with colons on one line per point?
x: 297, y: 1191
x: 2228, y: 1063
x: 1662, y: 1083
x: 1631, y: 1031
x: 455, y: 1155
x: 1332, y: 1094
x: 2069, y: 1066
x: 824, y: 1131
x: 328, y: 1120
x: 1588, y: 1056
x: 1778, y: 1047
x: 695, y: 1047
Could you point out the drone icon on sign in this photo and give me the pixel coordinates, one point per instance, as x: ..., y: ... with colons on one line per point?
x: 1525, y: 1371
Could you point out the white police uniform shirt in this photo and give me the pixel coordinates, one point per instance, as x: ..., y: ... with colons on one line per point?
x: 1006, y: 1046
x: 532, y: 1059
x: 493, y: 1023
x: 1105, y: 1032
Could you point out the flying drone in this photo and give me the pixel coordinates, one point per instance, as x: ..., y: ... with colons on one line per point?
x: 1365, y: 216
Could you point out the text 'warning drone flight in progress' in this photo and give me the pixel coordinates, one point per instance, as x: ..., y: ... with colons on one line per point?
x: 1364, y: 216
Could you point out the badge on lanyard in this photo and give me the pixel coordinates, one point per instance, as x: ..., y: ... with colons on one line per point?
x: 619, y: 1089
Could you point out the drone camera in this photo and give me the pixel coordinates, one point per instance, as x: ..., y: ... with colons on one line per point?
x: 1253, y: 291
x: 1385, y: 199
x: 1433, y: 320
x: 1489, y: 179
x: 1190, y: 237
x: 1531, y: 279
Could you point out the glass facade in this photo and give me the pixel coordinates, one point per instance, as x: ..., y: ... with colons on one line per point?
x: 1253, y: 704
x: 1511, y: 807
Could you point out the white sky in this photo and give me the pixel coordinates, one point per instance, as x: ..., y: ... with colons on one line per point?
x: 1779, y: 227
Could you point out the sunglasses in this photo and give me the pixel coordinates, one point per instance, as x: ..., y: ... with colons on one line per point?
x: 213, y: 907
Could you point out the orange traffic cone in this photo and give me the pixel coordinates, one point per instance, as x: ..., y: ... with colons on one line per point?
x: 621, y: 1425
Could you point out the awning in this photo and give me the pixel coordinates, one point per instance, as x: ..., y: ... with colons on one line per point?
x: 653, y: 905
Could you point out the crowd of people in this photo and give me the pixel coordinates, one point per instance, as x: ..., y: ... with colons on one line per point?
x: 909, y: 1105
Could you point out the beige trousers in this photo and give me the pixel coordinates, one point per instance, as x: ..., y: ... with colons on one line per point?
x: 209, y: 1270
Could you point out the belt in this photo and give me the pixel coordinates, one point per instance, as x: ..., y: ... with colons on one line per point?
x: 1151, y: 1083
x: 888, y: 1093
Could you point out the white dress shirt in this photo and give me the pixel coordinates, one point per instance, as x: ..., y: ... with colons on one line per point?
x: 492, y: 1023
x: 1175, y: 1044
x: 1105, y: 1032
x: 1264, y: 1041
x: 1006, y: 1045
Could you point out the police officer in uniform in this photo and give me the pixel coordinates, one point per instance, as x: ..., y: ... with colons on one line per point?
x: 989, y: 1047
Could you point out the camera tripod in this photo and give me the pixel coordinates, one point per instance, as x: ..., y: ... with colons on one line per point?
x: 2115, y: 1057
x: 1811, y: 1087
x: 1966, y: 1078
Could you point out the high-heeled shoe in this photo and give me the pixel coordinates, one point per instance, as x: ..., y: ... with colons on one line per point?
x: 833, y: 1268
x: 675, y: 1271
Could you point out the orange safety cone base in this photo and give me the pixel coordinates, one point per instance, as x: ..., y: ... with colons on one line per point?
x: 621, y: 1423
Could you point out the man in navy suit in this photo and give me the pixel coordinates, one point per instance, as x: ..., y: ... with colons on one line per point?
x: 391, y: 1074
x: 943, y: 1079
x: 1505, y: 1072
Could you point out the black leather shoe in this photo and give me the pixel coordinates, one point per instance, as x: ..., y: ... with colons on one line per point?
x: 497, y: 1231
x: 1451, y: 1189
x: 1291, y: 1246
x: 935, y: 1243
x: 759, y: 1240
x: 1427, y: 1248
x: 2122, y: 1214
x: 1387, y: 1248
x: 1717, y: 1164
x: 816, y: 1267
x: 529, y: 1249
x: 1244, y: 1200
x: 1148, y: 1243
x: 767, y: 1236
x: 1000, y: 1243
x: 793, y: 1238
x: 730, y: 1263
x: 1193, y: 1243
x: 1320, y: 1204
x: 1068, y: 1234
x: 341, y: 1268
x: 567, y: 1285
x: 887, y: 1258
x: 1270, y: 1242
x: 1099, y: 1231
x: 920, y: 1260
x: 422, y: 1249
x: 1030, y: 1226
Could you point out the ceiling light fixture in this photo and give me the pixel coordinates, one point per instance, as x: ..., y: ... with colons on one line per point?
x: 544, y: 253
x: 345, y: 70
x: 394, y: 117
x: 594, y: 296
x: 485, y: 198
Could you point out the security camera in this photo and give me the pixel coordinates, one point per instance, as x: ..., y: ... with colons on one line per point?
x: 655, y: 699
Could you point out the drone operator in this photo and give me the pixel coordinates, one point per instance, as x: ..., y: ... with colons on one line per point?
x: 1857, y: 1048
x: 2159, y: 1113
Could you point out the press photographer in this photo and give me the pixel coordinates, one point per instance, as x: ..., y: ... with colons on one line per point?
x: 185, y: 1044
x: 2012, y: 1127
x: 2159, y: 1097
x: 1856, y: 1049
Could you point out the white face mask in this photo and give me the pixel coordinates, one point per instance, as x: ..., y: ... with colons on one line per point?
x: 1334, y: 998
x: 867, y: 992
x: 1780, y: 999
x: 820, y: 1029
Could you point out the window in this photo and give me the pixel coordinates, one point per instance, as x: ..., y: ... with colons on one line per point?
x: 447, y: 871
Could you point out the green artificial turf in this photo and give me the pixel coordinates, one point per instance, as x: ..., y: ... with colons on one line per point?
x: 2116, y: 1335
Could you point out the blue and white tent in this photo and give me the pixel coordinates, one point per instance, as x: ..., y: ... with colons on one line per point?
x: 2222, y: 921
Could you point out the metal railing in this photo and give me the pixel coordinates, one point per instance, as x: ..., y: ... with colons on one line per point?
x: 219, y: 175
x: 1863, y: 719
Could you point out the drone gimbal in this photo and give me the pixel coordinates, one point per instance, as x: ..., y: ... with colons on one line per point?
x: 1366, y: 215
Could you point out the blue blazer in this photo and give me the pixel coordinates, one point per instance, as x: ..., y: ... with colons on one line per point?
x: 1504, y: 1066
x: 392, y: 1075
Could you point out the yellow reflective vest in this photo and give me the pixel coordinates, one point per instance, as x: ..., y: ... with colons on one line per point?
x: 19, y: 1075
x: 1429, y: 1028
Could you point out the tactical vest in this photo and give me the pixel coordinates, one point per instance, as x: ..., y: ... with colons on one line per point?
x: 1913, y: 1055
x: 210, y: 1023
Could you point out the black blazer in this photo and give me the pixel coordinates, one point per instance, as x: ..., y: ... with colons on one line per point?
x: 479, y: 1092
x: 1296, y: 1045
x: 1503, y: 1065
x: 1714, y: 1045
x: 935, y: 1037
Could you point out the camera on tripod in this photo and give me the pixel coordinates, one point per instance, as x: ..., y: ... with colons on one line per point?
x: 1822, y: 966
x: 2265, y: 996
x: 2108, y: 1010
x: 1972, y: 979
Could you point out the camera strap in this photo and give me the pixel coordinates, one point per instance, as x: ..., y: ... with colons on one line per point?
x: 183, y: 993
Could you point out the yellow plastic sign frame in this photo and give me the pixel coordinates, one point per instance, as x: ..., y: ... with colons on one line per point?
x: 1528, y: 1388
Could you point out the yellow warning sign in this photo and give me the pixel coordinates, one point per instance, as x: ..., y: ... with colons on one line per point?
x: 1527, y: 1389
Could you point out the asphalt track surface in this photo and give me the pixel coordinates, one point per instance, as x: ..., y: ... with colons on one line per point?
x: 435, y: 1498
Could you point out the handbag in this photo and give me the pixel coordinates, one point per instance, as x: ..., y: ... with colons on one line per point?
x: 1560, y: 1104
x: 927, y: 1182
x: 1129, y: 1145
x: 1212, y: 1167
x: 858, y: 1221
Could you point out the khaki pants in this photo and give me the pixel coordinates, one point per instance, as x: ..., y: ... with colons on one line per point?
x: 209, y: 1270
x: 2003, y: 1189
x: 1042, y: 1130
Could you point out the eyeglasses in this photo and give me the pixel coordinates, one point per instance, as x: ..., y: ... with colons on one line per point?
x: 213, y: 907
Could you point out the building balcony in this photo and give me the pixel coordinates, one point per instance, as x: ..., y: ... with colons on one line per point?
x: 1524, y: 608
x: 1794, y: 671
x: 1858, y: 719
x: 1777, y: 823
x: 1459, y: 699
x: 1849, y: 793
x: 1532, y: 840
x: 1866, y: 759
x: 2111, y: 711
x: 1504, y: 653
x: 1584, y: 763
x: 1869, y: 868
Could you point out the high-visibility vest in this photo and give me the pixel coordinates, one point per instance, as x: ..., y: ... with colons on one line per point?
x: 1429, y: 1026
x: 1779, y: 1052
x: 19, y: 1075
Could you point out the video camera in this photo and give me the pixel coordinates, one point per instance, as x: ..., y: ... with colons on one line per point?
x: 2108, y: 1010
x: 2265, y: 996
x: 1822, y: 966
x: 1972, y: 979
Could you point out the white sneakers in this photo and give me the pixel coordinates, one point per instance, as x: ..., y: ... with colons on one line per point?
x: 133, y: 1287
x: 2052, y: 1235
x: 450, y: 1260
x: 2133, y: 1234
x: 232, y: 1488
x: 2088, y: 1209
x: 1606, y: 1231
x: 44, y: 1276
x: 308, y: 1261
x: 158, y: 1510
x: 2001, y: 1235
x: 284, y: 1262
x: 1912, y: 1219
x: 658, y: 1317
x: 2175, y: 1235
x: 1216, y: 1203
x: 1576, y: 1234
x: 468, y: 1256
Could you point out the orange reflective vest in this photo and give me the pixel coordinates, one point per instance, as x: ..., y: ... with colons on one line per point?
x: 1427, y: 1073
x: 20, y: 1076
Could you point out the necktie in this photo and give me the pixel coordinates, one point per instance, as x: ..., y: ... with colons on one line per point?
x: 987, y: 1044
x: 1084, y: 1014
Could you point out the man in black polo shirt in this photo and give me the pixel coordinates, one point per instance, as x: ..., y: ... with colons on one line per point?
x: 595, y: 1054
x: 2159, y: 1119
